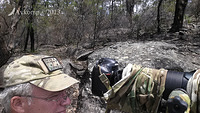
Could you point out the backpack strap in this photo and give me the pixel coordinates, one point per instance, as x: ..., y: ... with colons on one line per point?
x: 104, y: 79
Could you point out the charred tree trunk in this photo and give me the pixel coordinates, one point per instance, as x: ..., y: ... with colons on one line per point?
x: 30, y: 30
x: 30, y: 33
x: 96, y: 25
x: 129, y: 8
x: 4, y: 57
x: 4, y: 53
x: 179, y: 15
x: 158, y: 16
x: 32, y: 39
x: 27, y: 37
x: 112, y: 13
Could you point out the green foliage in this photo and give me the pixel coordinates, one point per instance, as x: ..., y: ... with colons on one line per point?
x: 136, y: 17
x: 169, y: 6
x: 188, y: 19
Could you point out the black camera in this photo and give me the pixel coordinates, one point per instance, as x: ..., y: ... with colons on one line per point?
x: 109, y: 67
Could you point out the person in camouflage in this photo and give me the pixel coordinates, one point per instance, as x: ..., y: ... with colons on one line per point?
x: 140, y: 91
x: 35, y: 84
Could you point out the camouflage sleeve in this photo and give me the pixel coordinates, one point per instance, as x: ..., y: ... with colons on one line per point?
x: 139, y: 92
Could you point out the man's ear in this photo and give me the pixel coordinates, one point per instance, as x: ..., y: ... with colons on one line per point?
x: 17, y: 104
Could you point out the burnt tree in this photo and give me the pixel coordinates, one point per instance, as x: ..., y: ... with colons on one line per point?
x: 158, y: 16
x: 4, y: 53
x: 129, y: 8
x: 30, y: 30
x: 179, y: 15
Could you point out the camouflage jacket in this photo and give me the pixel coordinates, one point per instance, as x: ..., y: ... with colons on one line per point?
x: 139, y: 91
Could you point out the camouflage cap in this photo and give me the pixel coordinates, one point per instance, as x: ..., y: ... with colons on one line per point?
x: 42, y: 71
